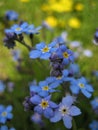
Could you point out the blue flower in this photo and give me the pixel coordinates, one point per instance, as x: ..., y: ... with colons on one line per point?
x: 94, y: 104
x: 4, y: 127
x: 42, y: 51
x: 11, y: 15
x: 44, y: 88
x: 81, y: 85
x: 37, y: 118
x: 74, y: 70
x: 94, y: 125
x: 2, y: 87
x: 65, y: 53
x: 58, y: 41
x: 56, y: 81
x: 66, y: 111
x: 32, y: 30
x: 44, y: 105
x: 95, y: 73
x: 5, y: 113
x: 17, y: 29
x: 15, y: 54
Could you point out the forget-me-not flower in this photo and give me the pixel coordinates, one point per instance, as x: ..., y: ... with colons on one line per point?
x: 93, y: 125
x: 11, y: 15
x: 66, y: 111
x: 43, y: 105
x: 94, y: 104
x: 32, y: 30
x: 66, y: 54
x: 37, y: 118
x: 17, y: 29
x: 42, y: 51
x: 56, y: 81
x: 5, y: 113
x: 82, y: 85
x: 44, y: 88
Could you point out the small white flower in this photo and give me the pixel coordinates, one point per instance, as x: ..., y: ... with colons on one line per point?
x: 88, y: 53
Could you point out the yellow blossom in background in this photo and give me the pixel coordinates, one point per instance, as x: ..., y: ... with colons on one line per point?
x: 74, y: 23
x: 58, y: 6
x: 51, y: 21
x: 24, y: 1
x: 79, y: 6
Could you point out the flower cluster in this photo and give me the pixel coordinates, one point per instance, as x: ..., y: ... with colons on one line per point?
x: 65, y: 78
x: 15, y: 33
x: 62, y: 71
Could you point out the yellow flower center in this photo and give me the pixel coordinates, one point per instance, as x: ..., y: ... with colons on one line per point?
x: 4, y: 113
x: 65, y: 55
x: 18, y: 29
x: 46, y: 88
x: 59, y: 77
x: 81, y: 85
x: 45, y: 49
x: 44, y: 104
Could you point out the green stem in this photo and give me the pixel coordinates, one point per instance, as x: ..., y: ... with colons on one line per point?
x: 74, y: 125
x: 31, y: 39
x: 23, y: 43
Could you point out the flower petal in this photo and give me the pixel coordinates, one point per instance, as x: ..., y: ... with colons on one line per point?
x: 34, y: 89
x: 53, y: 105
x: 57, y: 117
x: 43, y: 93
x: 4, y: 127
x: 74, y: 89
x: 9, y: 108
x: 38, y: 109
x: 45, y: 55
x: 1, y: 108
x: 86, y: 93
x: 43, y: 83
x: 3, y: 120
x: 35, y: 99
x: 9, y: 115
x: 48, y: 113
x: 35, y: 54
x: 67, y: 121
x: 68, y: 100
x: 40, y: 45
x: 89, y: 88
x: 74, y: 111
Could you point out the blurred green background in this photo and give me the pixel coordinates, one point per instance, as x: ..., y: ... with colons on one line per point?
x: 35, y: 12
